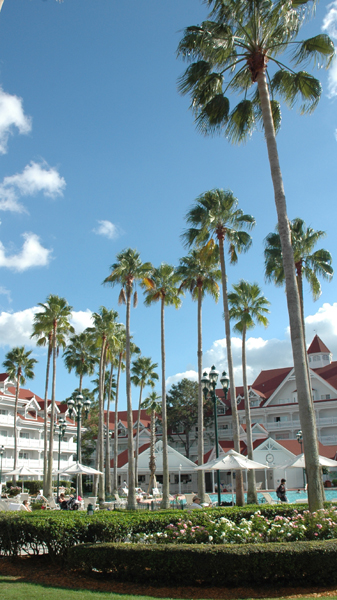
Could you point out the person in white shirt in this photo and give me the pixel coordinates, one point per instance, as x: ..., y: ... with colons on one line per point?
x: 195, y: 503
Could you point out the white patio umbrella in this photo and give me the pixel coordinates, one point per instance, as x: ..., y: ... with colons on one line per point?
x: 22, y: 472
x: 79, y: 469
x: 299, y: 462
x: 231, y: 461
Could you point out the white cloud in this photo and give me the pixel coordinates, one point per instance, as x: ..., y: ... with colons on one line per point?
x: 11, y: 115
x: 31, y: 255
x: 5, y: 292
x: 80, y: 320
x: 330, y: 26
x: 35, y: 178
x: 107, y: 229
x: 16, y: 328
x: 192, y: 375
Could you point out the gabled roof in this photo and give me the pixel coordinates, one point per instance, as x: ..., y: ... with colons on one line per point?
x: 317, y: 346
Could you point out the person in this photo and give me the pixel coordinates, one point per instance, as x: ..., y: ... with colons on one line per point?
x: 26, y: 505
x: 62, y: 502
x: 281, y: 491
x: 195, y: 502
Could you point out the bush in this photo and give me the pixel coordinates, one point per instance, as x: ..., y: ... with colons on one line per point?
x: 300, y: 563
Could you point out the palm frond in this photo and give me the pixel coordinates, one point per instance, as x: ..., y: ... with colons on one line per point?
x: 241, y: 122
x: 292, y: 86
x: 122, y: 297
x: 319, y: 48
x: 135, y: 299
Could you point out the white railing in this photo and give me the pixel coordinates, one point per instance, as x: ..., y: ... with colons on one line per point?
x: 328, y: 439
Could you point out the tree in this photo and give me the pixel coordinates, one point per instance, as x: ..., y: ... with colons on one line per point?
x: 80, y: 356
x: 248, y: 306
x: 103, y: 330
x: 216, y: 215
x: 162, y: 287
x: 19, y: 367
x: 143, y: 374
x: 245, y: 38
x: 308, y: 264
x: 54, y: 318
x: 126, y: 271
x: 153, y: 408
x: 183, y: 413
x: 199, y: 272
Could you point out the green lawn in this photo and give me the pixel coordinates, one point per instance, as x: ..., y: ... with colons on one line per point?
x: 11, y: 589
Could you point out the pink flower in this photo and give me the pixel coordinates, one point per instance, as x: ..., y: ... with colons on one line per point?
x: 319, y: 526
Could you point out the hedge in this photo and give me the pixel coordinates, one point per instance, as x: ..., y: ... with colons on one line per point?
x: 300, y: 563
x: 56, y: 531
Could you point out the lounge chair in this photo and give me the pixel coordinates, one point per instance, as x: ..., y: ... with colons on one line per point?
x: 15, y: 506
x: 4, y: 505
x: 268, y: 498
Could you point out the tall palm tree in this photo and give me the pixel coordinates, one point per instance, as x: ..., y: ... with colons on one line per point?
x: 308, y: 264
x: 153, y: 407
x: 143, y: 374
x: 19, y: 367
x: 55, y: 317
x: 216, y: 216
x: 232, y: 53
x: 81, y: 356
x: 199, y: 273
x: 126, y: 271
x: 162, y: 287
x: 248, y: 306
x: 104, y: 328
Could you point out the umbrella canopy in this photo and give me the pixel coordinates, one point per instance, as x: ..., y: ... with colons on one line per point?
x: 79, y: 469
x: 22, y: 472
x: 232, y: 461
x: 299, y: 462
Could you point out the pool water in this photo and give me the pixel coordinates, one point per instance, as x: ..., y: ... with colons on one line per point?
x: 292, y: 496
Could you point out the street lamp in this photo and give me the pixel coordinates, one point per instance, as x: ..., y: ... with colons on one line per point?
x: 179, y: 485
x: 209, y: 384
x: 2, y: 449
x: 299, y: 438
x: 61, y: 431
x: 78, y: 405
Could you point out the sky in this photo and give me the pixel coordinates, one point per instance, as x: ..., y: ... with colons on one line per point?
x: 99, y: 152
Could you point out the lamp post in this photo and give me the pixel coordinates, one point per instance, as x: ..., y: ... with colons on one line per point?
x: 2, y: 449
x: 209, y: 385
x: 179, y: 480
x: 299, y: 438
x: 78, y: 405
x: 61, y: 431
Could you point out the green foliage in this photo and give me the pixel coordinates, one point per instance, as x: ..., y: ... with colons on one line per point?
x: 304, y: 563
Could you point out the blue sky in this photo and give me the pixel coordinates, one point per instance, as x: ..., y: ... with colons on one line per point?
x: 98, y: 152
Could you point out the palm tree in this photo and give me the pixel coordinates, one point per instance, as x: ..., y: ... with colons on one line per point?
x: 247, y: 306
x: 162, y: 287
x: 80, y: 356
x: 153, y: 407
x: 54, y: 317
x: 19, y: 367
x: 126, y: 271
x: 245, y: 38
x: 199, y: 273
x: 308, y: 264
x: 143, y: 374
x: 216, y: 216
x: 104, y: 328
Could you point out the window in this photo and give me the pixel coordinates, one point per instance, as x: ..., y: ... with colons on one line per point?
x: 141, y: 478
x: 24, y: 434
x: 3, y: 433
x: 3, y: 411
x: 221, y: 409
x: 224, y: 426
x: 325, y: 357
x: 325, y: 397
x: 24, y: 455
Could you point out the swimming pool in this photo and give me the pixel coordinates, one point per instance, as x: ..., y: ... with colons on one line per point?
x: 292, y: 496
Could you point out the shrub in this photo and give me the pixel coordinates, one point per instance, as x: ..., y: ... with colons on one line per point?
x: 301, y: 563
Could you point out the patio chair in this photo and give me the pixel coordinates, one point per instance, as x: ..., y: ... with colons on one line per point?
x: 209, y: 500
x: 4, y: 505
x: 259, y: 485
x: 15, y: 506
x: 268, y: 498
x: 155, y: 492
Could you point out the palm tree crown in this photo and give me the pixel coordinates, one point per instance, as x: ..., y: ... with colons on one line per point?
x: 245, y: 38
x: 199, y: 271
x: 247, y: 306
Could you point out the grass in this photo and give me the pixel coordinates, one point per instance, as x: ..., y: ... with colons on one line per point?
x: 12, y: 589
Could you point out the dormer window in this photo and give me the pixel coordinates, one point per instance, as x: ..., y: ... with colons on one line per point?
x: 221, y: 409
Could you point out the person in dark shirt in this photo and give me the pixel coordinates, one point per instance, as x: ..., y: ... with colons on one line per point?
x: 281, y: 491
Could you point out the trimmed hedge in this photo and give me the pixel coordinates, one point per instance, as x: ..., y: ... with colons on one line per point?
x: 301, y: 563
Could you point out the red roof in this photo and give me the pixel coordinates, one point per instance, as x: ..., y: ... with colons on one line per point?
x: 317, y: 346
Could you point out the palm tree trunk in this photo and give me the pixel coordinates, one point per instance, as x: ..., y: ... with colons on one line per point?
x: 251, y: 492
x: 132, y: 504
x: 201, y: 475
x: 79, y: 454
x: 45, y: 432
x: 305, y: 405
x: 101, y: 380
x: 137, y: 435
x: 115, y: 484
x: 15, y: 422
x: 49, y: 482
x: 235, y: 417
x: 107, y: 442
x: 166, y: 475
x: 152, y: 462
